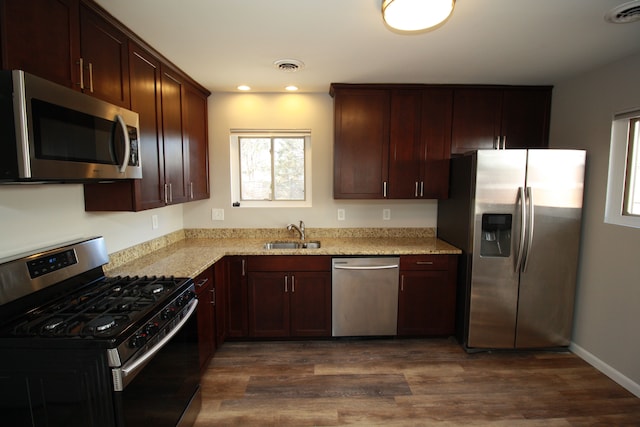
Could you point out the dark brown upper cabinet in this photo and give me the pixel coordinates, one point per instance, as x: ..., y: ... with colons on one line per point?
x: 69, y: 43
x: 498, y: 117
x: 391, y: 141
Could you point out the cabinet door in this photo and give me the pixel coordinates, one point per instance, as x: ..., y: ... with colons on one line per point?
x: 310, y: 296
x: 105, y: 57
x: 426, y: 303
x: 42, y: 37
x: 236, y: 297
x: 476, y: 119
x: 219, y: 302
x: 437, y: 111
x: 176, y: 150
x: 525, y: 117
x: 361, y: 150
x: 405, y: 154
x: 427, y: 295
x: 206, y: 317
x: 148, y: 192
x: 145, y: 81
x: 196, y: 134
x: 269, y: 304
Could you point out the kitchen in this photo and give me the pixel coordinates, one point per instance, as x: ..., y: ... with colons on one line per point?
x: 583, y: 103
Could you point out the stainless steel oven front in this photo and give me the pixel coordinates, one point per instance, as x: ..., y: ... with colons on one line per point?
x: 161, y: 387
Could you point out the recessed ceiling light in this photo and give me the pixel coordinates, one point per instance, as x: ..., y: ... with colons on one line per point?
x: 244, y: 87
x: 291, y: 88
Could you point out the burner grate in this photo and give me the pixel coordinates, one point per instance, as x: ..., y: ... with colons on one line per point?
x: 101, y: 310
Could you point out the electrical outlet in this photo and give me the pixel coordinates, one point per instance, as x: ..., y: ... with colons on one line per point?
x: 154, y: 222
x: 386, y: 214
x: 341, y: 215
x: 217, y: 214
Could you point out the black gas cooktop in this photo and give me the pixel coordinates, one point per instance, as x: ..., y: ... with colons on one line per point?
x: 101, y: 310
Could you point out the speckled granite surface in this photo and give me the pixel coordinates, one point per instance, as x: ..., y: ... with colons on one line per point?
x: 189, y: 252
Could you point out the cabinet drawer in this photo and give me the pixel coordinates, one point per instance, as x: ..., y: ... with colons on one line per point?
x: 204, y: 281
x: 289, y: 263
x: 424, y: 262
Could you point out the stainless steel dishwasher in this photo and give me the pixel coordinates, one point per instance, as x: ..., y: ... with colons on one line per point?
x: 364, y: 296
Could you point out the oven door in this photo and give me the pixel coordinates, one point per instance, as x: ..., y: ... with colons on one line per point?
x: 163, y: 389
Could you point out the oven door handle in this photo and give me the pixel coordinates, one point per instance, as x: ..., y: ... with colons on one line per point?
x: 123, y: 375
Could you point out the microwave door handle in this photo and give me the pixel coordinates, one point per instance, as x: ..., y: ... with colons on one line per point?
x: 127, y: 143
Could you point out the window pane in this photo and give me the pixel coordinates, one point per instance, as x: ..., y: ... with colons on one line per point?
x: 255, y: 168
x: 288, y: 165
x: 632, y: 178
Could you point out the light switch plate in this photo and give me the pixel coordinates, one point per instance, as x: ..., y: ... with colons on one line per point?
x: 386, y: 214
x: 341, y: 215
x: 154, y: 222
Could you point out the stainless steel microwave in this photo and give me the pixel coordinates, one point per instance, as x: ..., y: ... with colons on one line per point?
x: 51, y: 133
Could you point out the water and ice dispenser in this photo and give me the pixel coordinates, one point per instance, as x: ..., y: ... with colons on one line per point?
x: 495, y: 239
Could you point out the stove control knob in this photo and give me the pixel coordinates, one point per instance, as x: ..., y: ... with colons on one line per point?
x: 168, y: 313
x: 152, y: 328
x: 138, y: 340
x: 181, y: 301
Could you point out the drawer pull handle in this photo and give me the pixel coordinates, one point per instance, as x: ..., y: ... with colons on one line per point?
x: 424, y: 262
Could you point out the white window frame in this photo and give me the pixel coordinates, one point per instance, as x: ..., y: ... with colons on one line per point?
x: 234, y: 150
x: 614, y: 208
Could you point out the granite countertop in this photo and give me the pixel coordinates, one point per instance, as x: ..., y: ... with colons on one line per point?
x: 190, y: 256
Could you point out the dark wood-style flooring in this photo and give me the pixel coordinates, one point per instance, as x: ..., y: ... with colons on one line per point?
x: 416, y: 382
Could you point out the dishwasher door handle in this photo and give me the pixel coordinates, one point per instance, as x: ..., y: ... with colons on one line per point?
x: 365, y: 267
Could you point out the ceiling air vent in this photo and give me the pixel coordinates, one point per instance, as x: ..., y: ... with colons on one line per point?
x: 624, y: 13
x: 289, y: 65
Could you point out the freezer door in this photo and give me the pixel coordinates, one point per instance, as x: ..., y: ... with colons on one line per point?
x: 547, y: 283
x: 493, y: 288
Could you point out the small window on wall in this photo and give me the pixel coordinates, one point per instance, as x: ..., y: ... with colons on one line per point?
x: 270, y: 168
x: 623, y: 186
x: 632, y: 175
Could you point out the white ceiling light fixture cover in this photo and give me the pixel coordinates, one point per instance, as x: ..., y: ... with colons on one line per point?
x: 416, y: 15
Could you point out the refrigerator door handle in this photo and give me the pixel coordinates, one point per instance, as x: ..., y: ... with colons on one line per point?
x: 523, y: 227
x: 530, y: 227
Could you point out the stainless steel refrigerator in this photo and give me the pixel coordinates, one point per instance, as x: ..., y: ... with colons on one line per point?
x: 516, y: 215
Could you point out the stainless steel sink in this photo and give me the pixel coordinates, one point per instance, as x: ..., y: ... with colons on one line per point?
x: 292, y: 245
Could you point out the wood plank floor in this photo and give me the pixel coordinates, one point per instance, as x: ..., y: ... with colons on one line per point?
x: 417, y: 382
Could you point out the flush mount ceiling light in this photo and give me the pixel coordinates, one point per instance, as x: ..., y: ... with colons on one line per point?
x: 415, y: 15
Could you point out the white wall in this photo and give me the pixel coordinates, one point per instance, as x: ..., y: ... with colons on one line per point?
x: 606, y: 329
x: 33, y: 216
x: 290, y: 111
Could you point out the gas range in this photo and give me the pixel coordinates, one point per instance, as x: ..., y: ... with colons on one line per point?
x: 58, y: 303
x: 91, y: 309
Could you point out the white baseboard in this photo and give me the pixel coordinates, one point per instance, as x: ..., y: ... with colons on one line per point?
x: 606, y: 369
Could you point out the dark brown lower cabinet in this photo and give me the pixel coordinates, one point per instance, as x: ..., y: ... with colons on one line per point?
x: 236, y: 296
x: 206, y: 314
x: 427, y: 295
x: 289, y: 296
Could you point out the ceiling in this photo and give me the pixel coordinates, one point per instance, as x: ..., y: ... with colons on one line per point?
x: 224, y: 43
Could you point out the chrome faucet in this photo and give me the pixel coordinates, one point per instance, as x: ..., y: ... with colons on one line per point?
x: 298, y: 229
